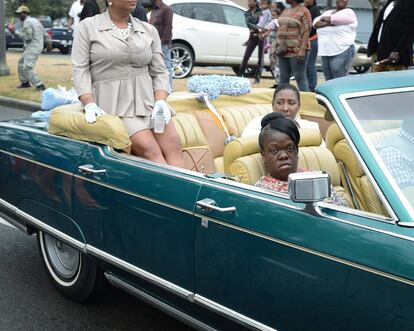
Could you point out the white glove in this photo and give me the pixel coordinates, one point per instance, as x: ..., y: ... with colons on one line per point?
x: 161, y: 107
x: 92, y: 111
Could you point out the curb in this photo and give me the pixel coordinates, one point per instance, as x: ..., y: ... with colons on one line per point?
x: 20, y: 104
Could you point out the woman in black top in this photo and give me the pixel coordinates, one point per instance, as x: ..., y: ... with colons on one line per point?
x: 252, y: 15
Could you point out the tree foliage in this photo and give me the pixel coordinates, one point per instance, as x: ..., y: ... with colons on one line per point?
x: 52, y: 8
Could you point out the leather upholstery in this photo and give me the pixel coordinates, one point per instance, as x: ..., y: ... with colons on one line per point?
x: 196, y: 126
x: 189, y: 130
x: 237, y: 117
x: 361, y: 189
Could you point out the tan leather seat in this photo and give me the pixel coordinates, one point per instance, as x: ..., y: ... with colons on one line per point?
x: 237, y: 117
x: 197, y: 127
x: 311, y: 110
x: 243, y: 159
x: 190, y: 132
x: 360, y: 188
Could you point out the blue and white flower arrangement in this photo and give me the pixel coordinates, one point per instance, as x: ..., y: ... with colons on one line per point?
x: 215, y: 85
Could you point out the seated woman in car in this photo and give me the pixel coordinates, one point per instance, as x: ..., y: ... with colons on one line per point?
x: 286, y: 100
x: 278, y: 141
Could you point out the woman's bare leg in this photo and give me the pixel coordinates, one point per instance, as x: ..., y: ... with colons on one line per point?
x: 170, y: 145
x: 145, y: 145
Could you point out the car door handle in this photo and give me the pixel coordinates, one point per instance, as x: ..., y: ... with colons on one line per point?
x: 89, y: 169
x: 208, y: 205
x: 234, y: 34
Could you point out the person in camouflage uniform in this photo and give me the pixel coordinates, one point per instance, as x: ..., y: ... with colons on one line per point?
x: 32, y: 34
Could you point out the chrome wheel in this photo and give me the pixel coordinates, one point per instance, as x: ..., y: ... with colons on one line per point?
x: 182, y: 60
x: 62, y: 261
x: 361, y: 69
x: 74, y: 274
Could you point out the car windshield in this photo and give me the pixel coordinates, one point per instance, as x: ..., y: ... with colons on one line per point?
x: 388, y: 122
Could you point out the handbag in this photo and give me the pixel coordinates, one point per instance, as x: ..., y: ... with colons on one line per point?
x: 199, y: 159
x: 281, y: 48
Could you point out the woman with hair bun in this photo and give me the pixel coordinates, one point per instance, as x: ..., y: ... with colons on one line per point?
x: 278, y: 141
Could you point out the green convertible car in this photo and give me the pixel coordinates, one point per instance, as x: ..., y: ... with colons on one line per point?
x: 208, y: 247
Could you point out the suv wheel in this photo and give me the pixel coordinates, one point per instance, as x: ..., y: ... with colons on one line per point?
x: 64, y: 50
x: 362, y: 69
x: 182, y: 60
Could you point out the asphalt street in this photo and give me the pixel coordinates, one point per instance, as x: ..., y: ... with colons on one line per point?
x: 28, y: 300
x: 10, y: 113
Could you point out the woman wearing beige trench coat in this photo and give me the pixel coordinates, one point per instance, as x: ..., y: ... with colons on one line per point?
x: 118, y: 68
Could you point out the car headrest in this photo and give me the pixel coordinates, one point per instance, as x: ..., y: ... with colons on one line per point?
x: 309, y: 137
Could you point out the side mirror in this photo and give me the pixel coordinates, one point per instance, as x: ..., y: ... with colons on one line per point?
x: 309, y: 187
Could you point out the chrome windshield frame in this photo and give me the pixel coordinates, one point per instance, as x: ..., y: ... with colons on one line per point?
x: 371, y: 178
x: 397, y: 190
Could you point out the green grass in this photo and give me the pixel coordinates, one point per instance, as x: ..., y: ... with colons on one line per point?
x: 52, y: 70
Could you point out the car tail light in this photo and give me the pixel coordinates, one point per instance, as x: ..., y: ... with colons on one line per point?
x: 49, y: 33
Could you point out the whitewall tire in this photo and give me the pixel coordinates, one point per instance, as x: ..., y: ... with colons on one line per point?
x: 75, y: 275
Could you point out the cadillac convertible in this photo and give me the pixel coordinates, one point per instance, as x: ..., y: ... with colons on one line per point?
x: 207, y: 246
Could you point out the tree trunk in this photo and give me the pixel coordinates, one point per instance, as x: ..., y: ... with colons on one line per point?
x: 4, y: 70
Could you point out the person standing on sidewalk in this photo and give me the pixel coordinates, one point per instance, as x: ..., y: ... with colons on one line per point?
x: 32, y: 34
x: 264, y: 20
x: 162, y: 18
x: 336, y: 38
x: 251, y: 16
x: 292, y: 42
x: 391, y: 41
x: 74, y: 13
x: 311, y: 73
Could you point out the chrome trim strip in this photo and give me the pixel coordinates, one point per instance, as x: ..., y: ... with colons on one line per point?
x: 388, y: 233
x: 139, y: 272
x: 42, y: 226
x: 356, y: 212
x: 36, y: 162
x: 179, y: 315
x: 253, y: 189
x: 343, y: 98
x: 134, y: 194
x: 354, y: 149
x: 313, y: 252
x: 149, y: 165
x: 233, y: 314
